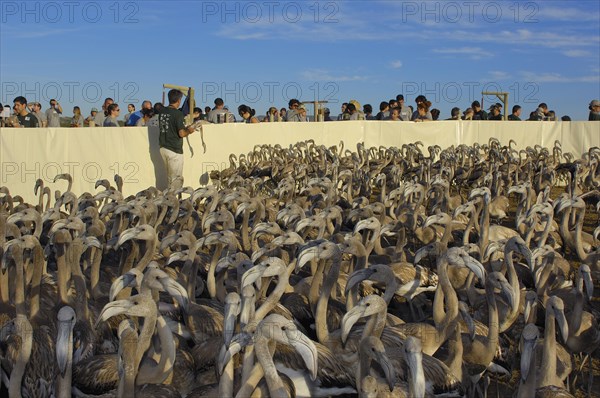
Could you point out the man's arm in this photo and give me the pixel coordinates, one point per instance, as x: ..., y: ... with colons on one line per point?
x: 184, y: 132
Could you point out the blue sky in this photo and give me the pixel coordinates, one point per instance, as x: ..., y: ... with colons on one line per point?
x: 266, y: 52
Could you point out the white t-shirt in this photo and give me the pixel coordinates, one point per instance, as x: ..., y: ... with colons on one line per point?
x: 53, y: 117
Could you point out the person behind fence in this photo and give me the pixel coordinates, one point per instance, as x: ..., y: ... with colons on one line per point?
x: 494, y: 113
x: 100, y: 116
x: 353, y: 111
x: 197, y: 114
x: 454, y: 114
x: 172, y: 130
x: 112, y: 114
x: 468, y: 114
x: 478, y: 113
x: 53, y: 113
x: 137, y: 115
x: 516, y: 113
x: 77, y: 119
x: 147, y: 114
x: 157, y: 108
x: 299, y: 114
x: 405, y: 112
x: 421, y: 99
x: 384, y: 111
x: 499, y: 105
x: 344, y: 114
x: 394, y: 115
x: 290, y: 114
x: 272, y: 114
x: 41, y: 116
x: 423, y: 114
x: 247, y: 114
x: 594, y: 111
x: 357, y: 113
x: 368, y: 111
x: 541, y: 113
x: 24, y: 118
x: 90, y: 121
x: 219, y: 113
x: 130, y: 111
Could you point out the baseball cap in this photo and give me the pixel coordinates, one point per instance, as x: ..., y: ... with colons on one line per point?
x: 595, y: 103
x: 94, y: 109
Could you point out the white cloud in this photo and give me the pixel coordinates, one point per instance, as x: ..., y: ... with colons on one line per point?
x: 498, y: 75
x: 561, y: 13
x: 576, y: 53
x: 526, y: 37
x: 37, y: 34
x: 324, y: 75
x: 551, y: 77
x: 347, y: 24
x: 471, y: 52
x: 396, y: 64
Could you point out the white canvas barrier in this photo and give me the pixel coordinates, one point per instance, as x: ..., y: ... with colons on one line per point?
x: 89, y: 154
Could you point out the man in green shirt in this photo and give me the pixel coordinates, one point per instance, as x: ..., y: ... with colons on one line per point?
x: 26, y: 119
x: 478, y: 113
x: 516, y: 113
x: 172, y: 130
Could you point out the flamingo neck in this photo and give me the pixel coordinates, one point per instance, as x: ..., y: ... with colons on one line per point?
x: 160, y: 372
x: 38, y: 267
x: 449, y: 295
x: 274, y: 382
x: 329, y: 282
x: 272, y: 300
x: 211, y: 282
x: 513, y: 279
x: 548, y: 368
x: 493, y: 332
x: 145, y: 337
x: 578, y: 240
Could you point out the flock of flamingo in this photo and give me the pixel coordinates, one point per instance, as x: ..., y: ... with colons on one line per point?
x: 310, y: 271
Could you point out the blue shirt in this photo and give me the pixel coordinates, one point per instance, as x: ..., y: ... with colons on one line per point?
x: 135, y: 116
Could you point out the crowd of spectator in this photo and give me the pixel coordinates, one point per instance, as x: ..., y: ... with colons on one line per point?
x: 30, y: 114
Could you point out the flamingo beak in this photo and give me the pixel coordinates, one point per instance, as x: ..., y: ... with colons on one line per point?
x: 308, y: 351
x: 64, y: 344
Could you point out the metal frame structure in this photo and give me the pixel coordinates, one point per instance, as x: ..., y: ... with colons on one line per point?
x: 502, y: 96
